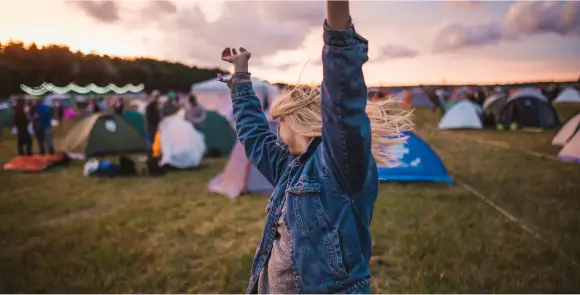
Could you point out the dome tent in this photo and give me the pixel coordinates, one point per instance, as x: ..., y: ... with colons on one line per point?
x: 220, y: 138
x: 528, y: 107
x: 104, y: 135
x: 418, y: 163
x: 463, y: 115
x: 568, y: 95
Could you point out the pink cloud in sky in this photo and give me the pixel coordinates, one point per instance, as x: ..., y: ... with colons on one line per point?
x: 523, y: 19
x: 285, y: 35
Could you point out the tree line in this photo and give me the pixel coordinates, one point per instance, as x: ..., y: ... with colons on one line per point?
x: 57, y: 64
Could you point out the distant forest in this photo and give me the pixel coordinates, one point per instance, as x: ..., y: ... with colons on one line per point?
x: 57, y: 64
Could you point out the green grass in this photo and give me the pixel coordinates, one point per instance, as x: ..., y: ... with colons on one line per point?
x: 62, y: 232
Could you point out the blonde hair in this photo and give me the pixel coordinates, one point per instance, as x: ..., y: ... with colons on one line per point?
x: 301, y: 109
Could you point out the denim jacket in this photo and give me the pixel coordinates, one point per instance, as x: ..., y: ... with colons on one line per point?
x: 331, y: 188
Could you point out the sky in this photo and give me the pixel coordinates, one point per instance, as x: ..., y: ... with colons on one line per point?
x: 410, y: 42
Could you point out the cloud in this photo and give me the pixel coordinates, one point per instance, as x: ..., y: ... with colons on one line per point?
x: 397, y: 51
x: 456, y: 36
x: 264, y: 28
x: 159, y: 8
x: 522, y: 19
x: 562, y: 18
x: 102, y: 11
x: 464, y: 5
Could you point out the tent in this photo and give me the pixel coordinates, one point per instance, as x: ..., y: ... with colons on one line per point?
x: 416, y: 98
x: 463, y: 115
x: 418, y: 163
x: 136, y: 119
x: 216, y: 96
x: 220, y: 138
x: 104, y: 134
x: 568, y: 130
x: 569, y: 94
x: 139, y: 104
x: 240, y: 176
x: 459, y: 94
x: 528, y: 107
x: 182, y: 146
x: 5, y: 114
x: 492, y: 107
x: 571, y: 151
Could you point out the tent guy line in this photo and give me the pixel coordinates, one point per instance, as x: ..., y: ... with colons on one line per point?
x: 513, y: 219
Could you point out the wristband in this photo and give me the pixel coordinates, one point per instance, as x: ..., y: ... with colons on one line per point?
x: 239, y: 77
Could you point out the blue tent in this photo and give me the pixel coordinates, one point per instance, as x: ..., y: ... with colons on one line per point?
x: 418, y: 163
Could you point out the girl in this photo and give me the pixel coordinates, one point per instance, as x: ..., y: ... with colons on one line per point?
x: 316, y: 237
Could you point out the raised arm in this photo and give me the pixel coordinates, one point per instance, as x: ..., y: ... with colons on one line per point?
x: 261, y: 144
x: 346, y: 130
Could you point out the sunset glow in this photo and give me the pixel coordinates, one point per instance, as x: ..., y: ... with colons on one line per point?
x: 192, y: 35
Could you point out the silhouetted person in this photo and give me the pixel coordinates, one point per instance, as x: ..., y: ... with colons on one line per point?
x: 119, y: 106
x: 152, y: 118
x: 20, y: 122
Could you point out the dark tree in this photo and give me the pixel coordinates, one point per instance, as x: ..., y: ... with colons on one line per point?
x: 56, y: 64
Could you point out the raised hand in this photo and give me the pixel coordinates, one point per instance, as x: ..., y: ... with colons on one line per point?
x: 239, y: 60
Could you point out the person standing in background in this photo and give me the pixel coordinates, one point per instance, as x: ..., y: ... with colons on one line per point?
x: 58, y: 111
x: 152, y: 117
x: 20, y: 122
x: 41, y: 117
x: 194, y: 112
x: 119, y: 105
x: 96, y: 107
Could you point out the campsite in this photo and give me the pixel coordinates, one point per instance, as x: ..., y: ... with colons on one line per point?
x: 62, y: 232
x: 290, y: 147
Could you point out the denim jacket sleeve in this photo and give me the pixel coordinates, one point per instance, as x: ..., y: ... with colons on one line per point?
x: 346, y: 129
x: 261, y: 144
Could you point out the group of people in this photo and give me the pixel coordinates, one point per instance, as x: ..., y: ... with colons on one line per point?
x: 115, y: 105
x: 33, y: 119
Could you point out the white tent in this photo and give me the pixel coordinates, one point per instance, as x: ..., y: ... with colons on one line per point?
x: 569, y: 94
x: 567, y: 131
x: 216, y: 96
x: 571, y: 151
x: 183, y: 147
x: 463, y: 115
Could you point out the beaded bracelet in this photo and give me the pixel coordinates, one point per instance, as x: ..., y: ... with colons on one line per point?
x: 238, y: 77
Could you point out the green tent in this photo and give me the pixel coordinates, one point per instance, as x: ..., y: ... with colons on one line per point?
x: 220, y: 138
x: 104, y: 135
x: 5, y: 114
x: 136, y: 119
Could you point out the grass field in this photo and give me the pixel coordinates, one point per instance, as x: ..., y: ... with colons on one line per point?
x: 62, y: 232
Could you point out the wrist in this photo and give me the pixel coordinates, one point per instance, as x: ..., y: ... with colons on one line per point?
x: 241, y: 68
x: 238, y: 78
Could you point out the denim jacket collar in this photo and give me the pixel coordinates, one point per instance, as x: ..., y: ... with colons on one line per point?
x: 312, y: 145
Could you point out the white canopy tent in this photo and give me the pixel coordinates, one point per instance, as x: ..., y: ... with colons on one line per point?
x: 569, y: 94
x: 216, y: 96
